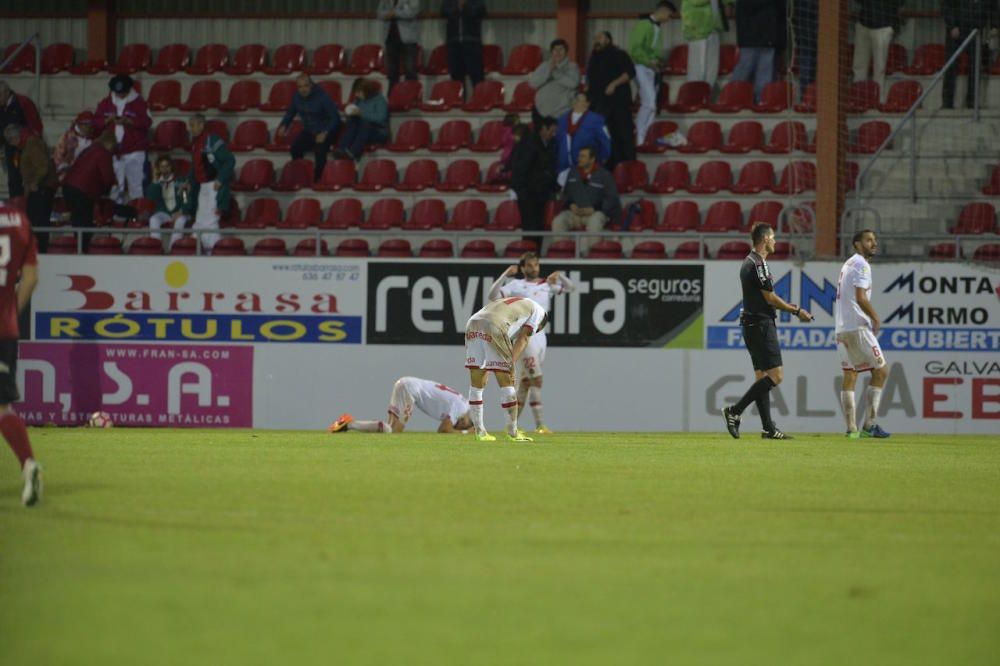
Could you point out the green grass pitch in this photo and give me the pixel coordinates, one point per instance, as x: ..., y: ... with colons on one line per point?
x: 257, y: 547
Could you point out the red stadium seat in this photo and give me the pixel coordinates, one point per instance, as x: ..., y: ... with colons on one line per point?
x: 606, y: 249
x: 755, y: 177
x: 437, y: 63
x: 146, y: 245
x: 326, y: 59
x: 735, y: 96
x: 459, y: 176
x: 486, y: 96
x: 776, y: 97
x: 808, y: 103
x: 269, y: 247
x: 303, y: 213
x: 797, y: 177
x: 132, y: 58
x: 723, y: 216
x: 657, y: 131
x: 57, y: 58
x: 928, y: 59
x: 243, y: 95
x: 395, y: 247
x: 901, y: 96
x: 524, y: 59
x: 412, y: 135
x: 295, y: 175
x: 164, y: 94
x: 492, y: 58
x: 445, y: 95
x: 249, y: 135
x: 184, y: 247
x: 343, y: 214
x: 307, y: 248
x: 788, y: 135
x: 384, y: 214
x: 649, y: 250
x: 89, y: 67
x: 496, y: 179
x: 286, y: 59
x: 209, y: 59
x: 453, y: 135
x: 677, y: 62
x: 976, y: 218
x: 378, y: 175
x: 365, y: 59
x: 427, y: 214
x: 229, y: 246
x: 333, y: 90
x: 993, y: 187
x: 745, y: 136
x: 561, y: 249
x: 729, y: 55
x: 680, y: 216
x: 990, y: 253
x: 764, y: 211
x: 219, y: 128
x: 669, y: 177
x: 182, y: 167
x: 516, y: 248
x: 171, y: 59
x: 733, y: 250
x: 896, y: 61
x: 712, y: 176
x: 337, y: 174
x: 437, y: 248
x: 101, y: 244
x: 862, y: 96
x: 254, y: 176
x: 662, y: 98
x: 645, y: 219
x: 281, y: 143
x: 693, y: 96
x: 352, y: 247
x: 62, y: 244
x: 630, y: 176
x: 170, y: 134
x: 405, y: 96
x: 419, y: 175
x: 479, y: 249
x: 944, y: 251
x: 782, y: 250
x: 490, y: 138
x: 248, y: 59
x: 279, y: 97
x: 507, y: 217
x: 262, y: 212
x: 203, y: 95
x: 523, y: 99
x: 690, y: 250
x: 704, y: 135
x: 871, y: 135
x: 468, y: 214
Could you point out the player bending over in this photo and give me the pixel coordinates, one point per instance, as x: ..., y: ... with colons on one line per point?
x: 495, y: 338
x: 18, y: 259
x: 432, y: 398
x: 541, y: 291
x: 857, y: 327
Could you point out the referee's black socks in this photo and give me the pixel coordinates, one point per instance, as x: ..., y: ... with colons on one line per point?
x: 757, y: 392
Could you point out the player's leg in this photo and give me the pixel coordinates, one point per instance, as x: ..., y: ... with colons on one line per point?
x: 847, y: 401
x: 530, y: 388
x: 477, y: 386
x: 12, y: 426
x: 761, y: 340
x: 869, y: 347
x: 508, y: 400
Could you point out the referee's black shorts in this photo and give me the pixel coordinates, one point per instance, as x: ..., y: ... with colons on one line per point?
x: 8, y: 372
x: 760, y: 335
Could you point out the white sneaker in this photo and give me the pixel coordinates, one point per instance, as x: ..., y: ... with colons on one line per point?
x: 32, y: 474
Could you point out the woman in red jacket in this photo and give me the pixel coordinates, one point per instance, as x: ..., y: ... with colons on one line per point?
x: 125, y: 112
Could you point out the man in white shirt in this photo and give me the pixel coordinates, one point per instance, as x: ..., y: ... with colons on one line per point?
x: 542, y: 291
x: 434, y: 399
x: 857, y: 327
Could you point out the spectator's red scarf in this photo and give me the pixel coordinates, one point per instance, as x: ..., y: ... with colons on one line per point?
x: 587, y: 173
x: 197, y: 148
x: 572, y: 127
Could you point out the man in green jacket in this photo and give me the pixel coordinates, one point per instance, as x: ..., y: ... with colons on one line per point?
x: 646, y: 47
x: 172, y: 196
x: 212, y: 166
x: 702, y: 22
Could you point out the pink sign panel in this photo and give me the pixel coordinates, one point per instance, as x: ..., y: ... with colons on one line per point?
x: 179, y: 386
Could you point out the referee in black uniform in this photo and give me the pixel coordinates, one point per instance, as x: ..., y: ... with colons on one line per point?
x: 760, y: 334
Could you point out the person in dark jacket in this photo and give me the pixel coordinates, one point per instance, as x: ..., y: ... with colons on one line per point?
x: 533, y: 175
x: 38, y: 175
x: 464, y: 37
x: 805, y: 20
x: 872, y: 36
x: 11, y: 113
x: 609, y: 73
x: 367, y: 120
x: 590, y: 199
x: 90, y: 177
x: 961, y: 17
x: 320, y: 120
x: 760, y: 33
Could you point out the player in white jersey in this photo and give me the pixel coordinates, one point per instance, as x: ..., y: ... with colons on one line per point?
x: 495, y: 339
x: 542, y: 291
x: 857, y: 327
x: 434, y: 399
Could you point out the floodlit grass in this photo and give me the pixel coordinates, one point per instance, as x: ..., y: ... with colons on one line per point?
x: 208, y: 547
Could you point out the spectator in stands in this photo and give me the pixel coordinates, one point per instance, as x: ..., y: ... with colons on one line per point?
x: 400, y: 19
x: 11, y: 113
x: 872, y: 36
x: 76, y: 140
x: 125, y: 112
x: 646, y: 46
x: 320, y: 120
x: 703, y: 21
x: 464, y: 38
x: 555, y: 82
x: 533, y: 175
x: 172, y: 197
x: 760, y: 34
x: 38, y: 175
x: 88, y: 179
x: 577, y: 128
x: 367, y: 120
x: 590, y: 198
x: 212, y: 167
x: 961, y: 17
x: 805, y: 19
x: 609, y: 72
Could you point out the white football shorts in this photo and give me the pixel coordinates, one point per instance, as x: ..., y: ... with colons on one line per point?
x: 859, y: 350
x: 486, y: 348
x: 401, y: 401
x: 533, y: 358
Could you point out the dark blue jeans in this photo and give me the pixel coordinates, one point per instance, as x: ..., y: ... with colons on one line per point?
x: 360, y: 133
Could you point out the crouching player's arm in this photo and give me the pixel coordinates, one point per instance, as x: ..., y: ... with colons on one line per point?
x: 521, y: 342
x: 462, y: 427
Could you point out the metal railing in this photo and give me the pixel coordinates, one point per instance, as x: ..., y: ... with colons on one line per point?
x: 37, y: 39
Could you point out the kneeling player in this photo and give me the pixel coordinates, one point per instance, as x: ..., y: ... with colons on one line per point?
x: 432, y: 398
x: 495, y: 338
